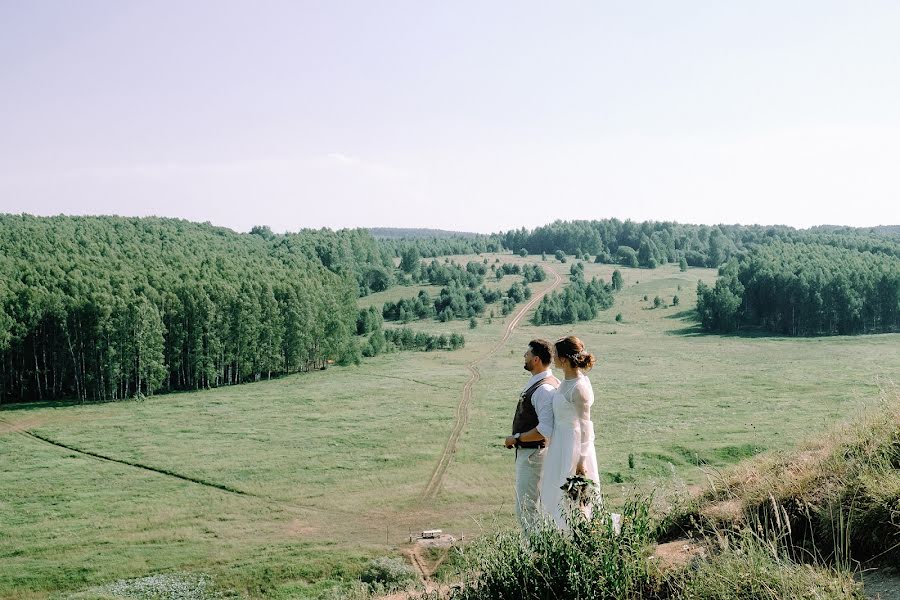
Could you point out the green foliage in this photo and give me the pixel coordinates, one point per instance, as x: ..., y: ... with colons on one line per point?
x: 409, y: 309
x: 410, y: 260
x: 657, y: 302
x: 590, y: 561
x: 617, y: 281
x: 388, y: 574
x: 404, y: 338
x: 576, y: 272
x: 470, y: 276
x: 473, y: 323
x: 533, y: 273
x: 368, y: 320
x: 579, y: 301
x: 618, y: 317
x: 430, y: 246
x: 676, y: 300
x: 105, y: 308
x: 627, y: 257
x: 682, y: 264
x: 456, y: 301
x: 805, y: 289
x: 518, y: 292
x: 649, y: 254
x: 697, y: 245
x: 523, y: 252
x: 508, y: 269
x: 560, y: 256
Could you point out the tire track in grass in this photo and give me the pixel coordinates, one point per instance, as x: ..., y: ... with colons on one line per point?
x: 461, y: 413
x: 95, y: 455
x: 271, y: 501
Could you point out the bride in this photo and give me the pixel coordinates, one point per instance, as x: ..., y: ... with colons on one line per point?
x: 571, y: 450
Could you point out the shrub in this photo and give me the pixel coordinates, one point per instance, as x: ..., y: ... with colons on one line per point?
x: 388, y: 574
x: 590, y: 561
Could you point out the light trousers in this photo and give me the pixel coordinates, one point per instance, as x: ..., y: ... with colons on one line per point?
x: 529, y: 466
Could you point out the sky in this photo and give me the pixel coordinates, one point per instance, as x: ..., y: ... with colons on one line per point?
x: 469, y: 116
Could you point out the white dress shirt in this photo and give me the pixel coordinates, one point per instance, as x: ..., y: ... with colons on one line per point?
x: 542, y: 400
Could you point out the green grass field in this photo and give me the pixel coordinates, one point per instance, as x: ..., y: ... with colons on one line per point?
x: 280, y: 488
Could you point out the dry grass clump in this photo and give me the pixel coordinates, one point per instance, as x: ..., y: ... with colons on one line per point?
x: 838, y: 495
x: 751, y: 569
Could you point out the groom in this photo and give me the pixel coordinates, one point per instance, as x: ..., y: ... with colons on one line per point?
x: 531, y: 431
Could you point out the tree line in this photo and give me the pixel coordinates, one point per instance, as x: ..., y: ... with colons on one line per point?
x: 453, y: 302
x: 579, y: 301
x: 803, y: 289
x: 104, y: 308
x: 652, y: 243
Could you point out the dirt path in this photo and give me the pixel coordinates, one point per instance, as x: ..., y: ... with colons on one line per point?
x: 461, y: 414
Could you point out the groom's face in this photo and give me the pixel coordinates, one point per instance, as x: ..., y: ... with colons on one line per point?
x: 530, y: 361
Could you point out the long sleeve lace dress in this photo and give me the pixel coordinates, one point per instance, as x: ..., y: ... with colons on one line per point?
x: 572, y: 442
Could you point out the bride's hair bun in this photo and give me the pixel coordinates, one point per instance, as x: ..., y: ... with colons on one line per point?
x: 572, y: 349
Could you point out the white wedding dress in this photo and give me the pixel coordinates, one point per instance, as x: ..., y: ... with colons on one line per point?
x: 573, y: 439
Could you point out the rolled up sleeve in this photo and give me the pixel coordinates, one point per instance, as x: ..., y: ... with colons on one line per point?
x: 542, y: 399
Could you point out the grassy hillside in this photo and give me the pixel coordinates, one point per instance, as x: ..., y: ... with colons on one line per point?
x: 281, y: 488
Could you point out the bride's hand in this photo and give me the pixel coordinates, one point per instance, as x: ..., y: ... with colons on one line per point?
x: 580, y: 470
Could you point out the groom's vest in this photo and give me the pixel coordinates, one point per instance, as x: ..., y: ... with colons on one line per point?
x: 526, y: 417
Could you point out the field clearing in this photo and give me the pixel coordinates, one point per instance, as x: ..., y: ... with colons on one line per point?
x: 324, y: 469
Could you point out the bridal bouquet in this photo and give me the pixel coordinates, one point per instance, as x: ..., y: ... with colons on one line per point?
x: 580, y: 489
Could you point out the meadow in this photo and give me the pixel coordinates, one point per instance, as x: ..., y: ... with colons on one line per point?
x: 283, y: 488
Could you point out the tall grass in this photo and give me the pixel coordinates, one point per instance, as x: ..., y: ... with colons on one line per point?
x: 749, y: 568
x: 588, y: 561
x: 592, y: 562
x: 839, y: 496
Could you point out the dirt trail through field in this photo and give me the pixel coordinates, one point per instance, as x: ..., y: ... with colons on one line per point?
x: 461, y: 414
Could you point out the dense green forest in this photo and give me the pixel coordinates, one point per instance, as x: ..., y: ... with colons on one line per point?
x: 653, y: 243
x: 804, y: 289
x: 103, y: 308
x: 821, y: 281
x: 579, y: 301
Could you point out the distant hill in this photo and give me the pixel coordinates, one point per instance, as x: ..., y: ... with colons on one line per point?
x: 396, y: 233
x: 887, y: 229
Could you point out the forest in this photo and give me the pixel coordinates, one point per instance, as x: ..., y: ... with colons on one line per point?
x: 653, y: 243
x: 105, y: 308
x: 804, y: 289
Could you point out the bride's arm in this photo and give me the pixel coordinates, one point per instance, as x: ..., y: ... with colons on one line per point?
x: 582, y: 399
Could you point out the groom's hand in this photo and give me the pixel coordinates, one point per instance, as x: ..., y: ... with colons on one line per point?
x: 510, y: 442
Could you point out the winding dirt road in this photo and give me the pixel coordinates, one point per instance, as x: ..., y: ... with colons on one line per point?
x: 461, y: 414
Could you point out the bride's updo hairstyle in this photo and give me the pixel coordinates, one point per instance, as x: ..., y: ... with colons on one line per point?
x: 572, y: 349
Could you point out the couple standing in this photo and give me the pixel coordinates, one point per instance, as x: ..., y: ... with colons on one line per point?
x: 552, y: 430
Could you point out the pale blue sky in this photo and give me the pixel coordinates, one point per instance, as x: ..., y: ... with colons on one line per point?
x: 476, y: 116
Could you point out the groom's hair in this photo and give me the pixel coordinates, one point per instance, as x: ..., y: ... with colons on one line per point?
x: 541, y: 349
